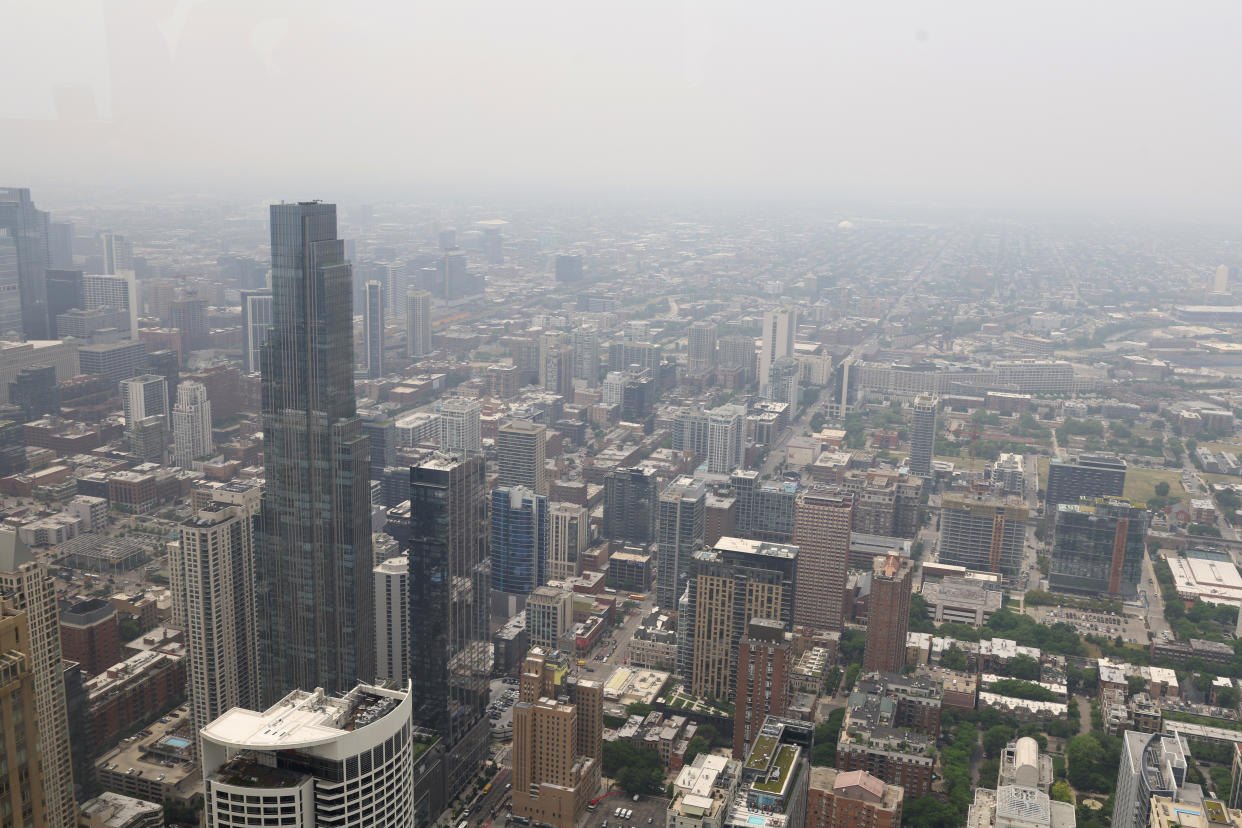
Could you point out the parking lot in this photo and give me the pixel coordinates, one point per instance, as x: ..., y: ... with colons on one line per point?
x: 1131, y: 629
x: 500, y: 708
x: 646, y: 808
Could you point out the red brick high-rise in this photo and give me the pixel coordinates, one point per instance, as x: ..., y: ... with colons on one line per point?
x: 765, y: 663
x: 889, y: 614
x: 90, y: 634
x: 850, y: 799
x: 821, y: 532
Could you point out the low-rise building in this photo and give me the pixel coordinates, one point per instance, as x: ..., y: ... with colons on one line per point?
x: 114, y: 810
x: 156, y: 765
x: 703, y: 792
x: 962, y: 600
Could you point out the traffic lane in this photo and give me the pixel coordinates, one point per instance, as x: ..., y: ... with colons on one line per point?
x: 481, y: 813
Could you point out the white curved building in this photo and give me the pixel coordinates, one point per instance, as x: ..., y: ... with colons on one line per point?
x: 312, y: 760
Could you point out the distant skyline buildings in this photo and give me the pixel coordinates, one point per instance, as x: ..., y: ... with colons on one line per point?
x: 26, y: 227
x: 418, y: 323
x: 373, y: 329
x: 779, y: 327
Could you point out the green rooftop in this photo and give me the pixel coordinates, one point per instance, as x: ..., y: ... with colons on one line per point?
x: 780, y: 771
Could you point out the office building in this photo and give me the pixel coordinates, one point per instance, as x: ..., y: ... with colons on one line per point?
x: 765, y: 509
x: 549, y: 616
x: 521, y: 449
x: 888, y: 614
x: 64, y: 293
x: 634, y: 356
x: 726, y: 439
x: 21, y: 775
x: 585, y: 342
x: 1088, y: 475
x: 148, y: 439
x: 779, y: 326
x: 821, y: 532
x: 189, y: 315
x: 558, y: 724
x: 27, y: 227
x: 568, y: 267
x: 26, y: 587
x: 849, y: 799
x: 569, y: 535
x: 256, y: 308
x: 191, y: 419
x: 983, y: 533
x: 442, y: 529
x: 313, y: 759
x: 765, y: 662
x: 1098, y: 547
x: 701, y: 347
x: 114, y: 362
x: 679, y: 531
x: 90, y: 634
x: 1152, y: 764
x: 313, y: 549
x: 118, y: 253
x: 729, y: 585
x: 519, y: 540
x: 373, y: 329
x: 392, y: 620
x: 35, y: 393
x: 923, y: 436
x: 212, y: 577
x: 630, y: 505
x: 144, y: 396
x: 10, y: 287
x: 119, y: 292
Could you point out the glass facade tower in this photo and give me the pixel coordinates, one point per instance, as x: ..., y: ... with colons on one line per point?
x: 313, y: 556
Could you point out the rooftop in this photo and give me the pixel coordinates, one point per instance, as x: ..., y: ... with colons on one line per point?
x: 304, y: 719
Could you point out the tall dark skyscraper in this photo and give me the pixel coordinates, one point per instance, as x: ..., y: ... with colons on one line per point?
x: 313, y: 556
x: 442, y: 530
x: 28, y: 228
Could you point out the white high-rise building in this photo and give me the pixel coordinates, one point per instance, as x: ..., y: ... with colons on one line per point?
x: 701, y: 350
x: 191, y: 423
x: 212, y: 577
x: 313, y: 759
x: 1220, y: 280
x: 726, y: 439
x: 417, y: 323
x: 392, y: 620
x: 461, y: 426
x: 10, y: 287
x: 118, y: 291
x: 118, y: 253
x: 614, y: 387
x: 373, y: 329
x: 586, y: 355
x: 779, y: 327
x: 27, y: 587
x: 144, y: 396
x: 569, y: 536
x: 256, y: 322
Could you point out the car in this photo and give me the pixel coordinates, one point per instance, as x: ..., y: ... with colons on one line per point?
x: 635, y: 797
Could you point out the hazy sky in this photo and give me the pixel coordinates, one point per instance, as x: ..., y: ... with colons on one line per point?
x: 1077, y: 103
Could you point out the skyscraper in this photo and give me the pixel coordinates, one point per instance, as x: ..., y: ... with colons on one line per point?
x: 519, y: 541
x: 21, y: 779
x: 783, y: 375
x: 889, y: 614
x: 765, y: 663
x: 442, y: 530
x: 256, y: 322
x: 568, y: 267
x: 10, y: 287
x: 212, y: 576
x: 28, y: 228
x: 923, y: 436
x: 392, y: 619
x: 701, y: 347
x: 726, y: 439
x: 417, y: 323
x: 983, y: 533
x: 1099, y: 546
x: 679, y: 531
x: 630, y: 503
x: 585, y: 342
x: 822, y: 534
x: 1088, y: 475
x: 191, y: 424
x: 521, y: 449
x: 118, y: 291
x: 144, y: 396
x: 373, y: 329
x: 313, y: 554
x: 779, y: 326
x: 461, y: 426
x: 569, y: 535
x: 26, y: 586
x: 118, y: 253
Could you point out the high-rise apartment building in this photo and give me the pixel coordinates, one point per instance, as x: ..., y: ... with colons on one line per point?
x: 731, y: 584
x: 889, y: 614
x: 1088, y: 475
x: 417, y: 323
x: 765, y: 662
x: 568, y: 267
x: 783, y: 376
x: 313, y: 759
x: 679, y: 531
x: 849, y: 799
x: 443, y: 530
x: 313, y: 550
x: 779, y: 327
x: 26, y: 587
x: 549, y: 616
x: 737, y: 352
x: 256, y: 322
x: 148, y: 439
x: 189, y: 315
x: 90, y: 634
x: 569, y: 535
x: 212, y: 576
x: 726, y: 439
x: 765, y: 509
x: 191, y: 421
x: 558, y: 724
x: 821, y: 532
x: 392, y: 620
x: 557, y: 376
x: 983, y: 533
x: 701, y: 347
x: 1152, y: 764
x: 373, y: 329
x: 521, y: 449
x: 27, y: 226
x: 22, y: 795
x: 519, y: 540
x: 144, y: 396
x: 923, y: 436
x: 630, y: 505
x: 585, y: 342
x: 1098, y: 547
x: 461, y: 429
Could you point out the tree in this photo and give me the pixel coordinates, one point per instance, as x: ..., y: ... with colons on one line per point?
x: 1023, y: 667
x: 1136, y: 684
x: 1162, y: 489
x: 824, y: 754
x: 953, y: 659
x: 995, y: 739
x: 1061, y: 792
x: 697, y: 745
x: 1083, y: 754
x: 638, y: 709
